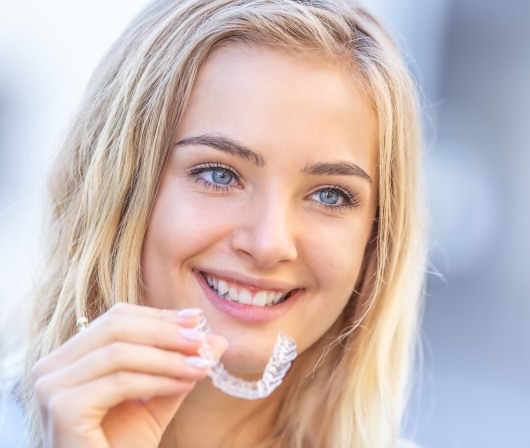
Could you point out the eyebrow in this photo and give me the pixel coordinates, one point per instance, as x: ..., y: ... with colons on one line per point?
x: 226, y: 145
x: 336, y: 169
x: 340, y: 168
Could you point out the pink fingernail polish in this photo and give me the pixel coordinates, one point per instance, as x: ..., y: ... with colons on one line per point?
x: 199, y: 363
x: 192, y: 335
x: 189, y: 312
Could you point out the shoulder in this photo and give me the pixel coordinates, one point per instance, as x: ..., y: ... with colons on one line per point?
x: 403, y: 443
x: 12, y: 421
x: 12, y: 427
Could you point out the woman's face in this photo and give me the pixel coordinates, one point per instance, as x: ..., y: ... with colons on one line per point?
x: 267, y: 201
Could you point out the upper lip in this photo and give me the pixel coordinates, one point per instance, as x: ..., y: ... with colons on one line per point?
x: 250, y: 282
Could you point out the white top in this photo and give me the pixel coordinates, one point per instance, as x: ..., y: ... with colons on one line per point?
x: 12, y: 430
x: 12, y: 426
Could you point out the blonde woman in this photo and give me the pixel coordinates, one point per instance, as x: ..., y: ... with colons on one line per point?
x: 251, y: 165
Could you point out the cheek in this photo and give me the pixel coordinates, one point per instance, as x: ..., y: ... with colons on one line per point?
x: 337, y: 254
x: 183, y: 224
x: 335, y: 258
x: 337, y: 276
x: 178, y: 229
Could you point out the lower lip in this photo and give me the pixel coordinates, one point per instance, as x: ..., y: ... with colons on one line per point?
x: 247, y: 313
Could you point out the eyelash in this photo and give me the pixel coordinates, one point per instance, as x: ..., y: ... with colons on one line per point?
x: 351, y: 200
x: 195, y: 173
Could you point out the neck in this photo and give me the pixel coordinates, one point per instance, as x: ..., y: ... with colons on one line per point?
x: 209, y: 418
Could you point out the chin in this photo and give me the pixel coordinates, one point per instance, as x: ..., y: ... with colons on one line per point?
x: 246, y: 357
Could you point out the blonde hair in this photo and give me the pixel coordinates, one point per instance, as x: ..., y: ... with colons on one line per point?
x: 106, y: 178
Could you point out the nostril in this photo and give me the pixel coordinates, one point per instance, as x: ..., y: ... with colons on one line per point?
x: 267, y: 239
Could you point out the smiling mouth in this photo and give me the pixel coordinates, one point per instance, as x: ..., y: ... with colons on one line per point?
x: 236, y: 293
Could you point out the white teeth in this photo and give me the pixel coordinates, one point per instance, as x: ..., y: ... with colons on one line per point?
x: 277, y: 296
x: 233, y: 294
x: 245, y: 297
x: 260, y: 299
x: 222, y: 287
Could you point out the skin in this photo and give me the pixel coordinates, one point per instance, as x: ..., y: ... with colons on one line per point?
x: 268, y: 225
x: 273, y: 221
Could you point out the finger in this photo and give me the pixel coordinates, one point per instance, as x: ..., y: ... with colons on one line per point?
x: 114, y: 389
x: 121, y: 356
x: 93, y: 400
x: 123, y: 308
x: 139, y: 330
x: 126, y: 414
x: 164, y: 408
x: 216, y: 346
x: 56, y: 390
x: 187, y: 317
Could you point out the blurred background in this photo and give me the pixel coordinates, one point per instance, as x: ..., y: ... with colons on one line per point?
x: 471, y: 58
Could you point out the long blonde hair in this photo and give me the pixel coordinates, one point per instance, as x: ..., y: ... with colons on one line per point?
x: 105, y: 181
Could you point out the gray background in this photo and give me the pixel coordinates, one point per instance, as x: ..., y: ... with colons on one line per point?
x: 472, y: 60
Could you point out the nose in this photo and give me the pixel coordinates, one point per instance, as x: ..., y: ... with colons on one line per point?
x: 266, y: 233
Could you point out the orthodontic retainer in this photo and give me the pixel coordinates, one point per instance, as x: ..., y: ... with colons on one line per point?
x: 283, y: 354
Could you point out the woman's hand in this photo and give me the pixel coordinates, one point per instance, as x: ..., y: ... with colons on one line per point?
x: 120, y: 382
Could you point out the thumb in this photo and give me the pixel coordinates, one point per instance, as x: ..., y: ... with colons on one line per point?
x: 163, y: 409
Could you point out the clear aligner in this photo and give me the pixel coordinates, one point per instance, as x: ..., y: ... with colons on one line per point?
x: 283, y: 354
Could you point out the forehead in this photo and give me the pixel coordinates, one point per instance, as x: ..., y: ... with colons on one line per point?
x: 271, y: 98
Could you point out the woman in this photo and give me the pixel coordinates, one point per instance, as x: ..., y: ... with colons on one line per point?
x: 253, y: 162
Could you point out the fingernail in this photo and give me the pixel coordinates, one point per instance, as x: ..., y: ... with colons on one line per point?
x: 189, y: 312
x: 192, y: 335
x: 206, y: 352
x: 219, y: 343
x: 199, y: 363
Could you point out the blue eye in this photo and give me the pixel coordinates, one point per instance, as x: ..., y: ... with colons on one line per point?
x: 335, y: 198
x: 222, y: 177
x: 328, y: 197
x: 215, y: 176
